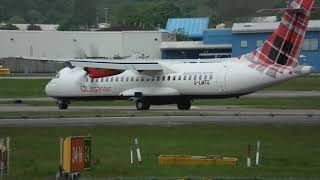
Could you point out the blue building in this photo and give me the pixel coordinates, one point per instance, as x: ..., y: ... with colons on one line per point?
x: 191, y: 27
x: 242, y: 38
x: 202, y: 42
x: 246, y: 37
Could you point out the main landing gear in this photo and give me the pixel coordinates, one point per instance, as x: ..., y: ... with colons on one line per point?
x: 184, y: 104
x: 142, y: 104
x: 62, y: 104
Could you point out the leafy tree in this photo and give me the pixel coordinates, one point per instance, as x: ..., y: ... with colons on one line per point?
x: 164, y: 11
x: 8, y: 27
x: 84, y: 12
x: 280, y: 4
x: 35, y: 17
x: 69, y: 25
x: 17, y: 20
x: 140, y: 14
x: 145, y: 15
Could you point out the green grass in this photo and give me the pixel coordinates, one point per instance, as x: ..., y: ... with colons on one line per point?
x: 22, y: 88
x: 307, y: 83
x: 35, y: 88
x: 286, y: 151
x: 94, y: 113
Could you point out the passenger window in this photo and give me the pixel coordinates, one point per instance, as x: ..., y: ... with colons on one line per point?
x: 102, y: 79
x: 111, y: 80
x: 163, y: 78
x: 87, y: 79
x: 132, y: 79
x: 137, y: 79
x: 200, y: 77
x: 97, y: 80
x: 173, y: 78
x: 211, y: 77
x: 205, y: 77
x: 142, y: 78
x: 195, y: 77
x: 92, y: 80
x: 127, y: 79
x: 122, y: 78
x: 169, y: 78
x: 185, y: 78
x: 153, y: 78
x: 117, y: 79
x: 107, y: 79
x: 158, y: 78
x: 190, y: 77
x: 179, y: 78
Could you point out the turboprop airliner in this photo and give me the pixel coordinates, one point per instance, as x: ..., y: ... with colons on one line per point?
x: 160, y: 82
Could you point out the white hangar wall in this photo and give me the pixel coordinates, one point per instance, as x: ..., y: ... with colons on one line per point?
x: 73, y: 44
x: 77, y: 44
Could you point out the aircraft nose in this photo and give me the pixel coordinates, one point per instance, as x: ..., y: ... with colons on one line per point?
x: 50, y: 88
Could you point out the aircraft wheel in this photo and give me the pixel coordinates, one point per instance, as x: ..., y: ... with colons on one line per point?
x: 142, y: 105
x: 63, y: 105
x: 184, y: 105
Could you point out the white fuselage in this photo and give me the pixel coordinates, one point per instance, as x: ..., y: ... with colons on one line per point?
x: 224, y: 78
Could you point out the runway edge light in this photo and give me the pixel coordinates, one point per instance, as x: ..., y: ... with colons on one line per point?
x: 258, y: 153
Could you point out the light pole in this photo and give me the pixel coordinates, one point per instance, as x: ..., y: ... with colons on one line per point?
x: 2, y: 15
x: 106, y: 10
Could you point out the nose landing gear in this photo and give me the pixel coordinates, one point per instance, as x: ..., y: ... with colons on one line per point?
x: 62, y: 104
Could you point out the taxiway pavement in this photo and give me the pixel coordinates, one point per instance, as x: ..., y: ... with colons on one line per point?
x: 163, y: 120
x: 260, y: 94
x: 227, y: 115
x: 216, y: 110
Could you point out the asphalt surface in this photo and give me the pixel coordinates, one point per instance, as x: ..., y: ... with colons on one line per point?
x: 223, y: 114
x: 260, y: 94
x: 162, y: 120
x: 228, y: 115
x: 218, y: 110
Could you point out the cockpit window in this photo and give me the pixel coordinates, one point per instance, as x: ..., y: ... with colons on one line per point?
x: 58, y: 75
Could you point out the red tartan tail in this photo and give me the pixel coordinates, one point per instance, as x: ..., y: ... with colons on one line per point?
x: 283, y: 47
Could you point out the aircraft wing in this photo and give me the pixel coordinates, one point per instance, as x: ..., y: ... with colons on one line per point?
x: 138, y: 65
x: 40, y: 59
x: 119, y: 64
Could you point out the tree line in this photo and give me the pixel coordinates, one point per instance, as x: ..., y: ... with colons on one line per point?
x: 137, y: 14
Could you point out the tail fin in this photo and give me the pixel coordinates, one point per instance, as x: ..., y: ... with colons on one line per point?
x: 283, y: 47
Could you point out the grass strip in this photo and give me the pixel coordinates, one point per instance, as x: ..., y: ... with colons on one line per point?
x: 83, y: 114
x: 286, y: 151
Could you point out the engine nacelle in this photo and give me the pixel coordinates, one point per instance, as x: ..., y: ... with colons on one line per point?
x: 101, y: 73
